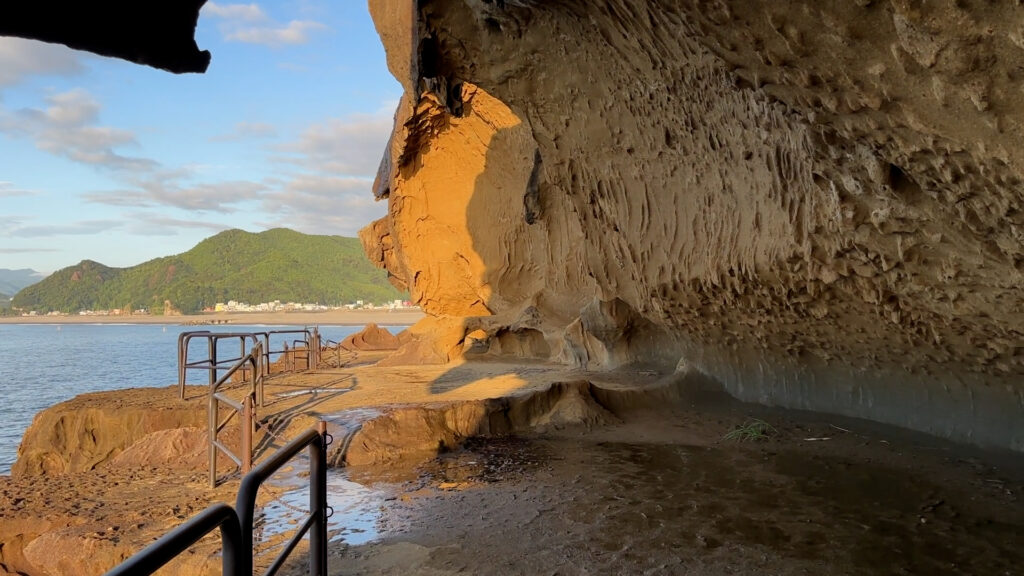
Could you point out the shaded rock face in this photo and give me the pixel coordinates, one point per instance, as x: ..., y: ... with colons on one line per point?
x: 817, y: 205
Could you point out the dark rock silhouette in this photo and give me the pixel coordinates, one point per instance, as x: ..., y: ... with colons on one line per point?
x: 157, y: 34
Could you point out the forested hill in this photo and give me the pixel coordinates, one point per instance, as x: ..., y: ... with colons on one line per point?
x: 278, y: 264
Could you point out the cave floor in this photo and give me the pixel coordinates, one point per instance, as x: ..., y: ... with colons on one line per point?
x: 663, y: 493
x: 657, y: 489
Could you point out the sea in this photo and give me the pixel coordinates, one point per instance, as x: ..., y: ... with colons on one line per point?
x: 44, y: 364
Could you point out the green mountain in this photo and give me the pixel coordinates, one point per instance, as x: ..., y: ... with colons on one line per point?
x: 278, y: 264
x: 13, y: 280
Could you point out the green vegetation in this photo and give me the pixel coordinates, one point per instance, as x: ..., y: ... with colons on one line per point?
x: 753, y: 429
x: 278, y: 264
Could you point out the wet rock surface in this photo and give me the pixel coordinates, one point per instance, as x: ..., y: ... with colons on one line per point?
x: 645, y: 498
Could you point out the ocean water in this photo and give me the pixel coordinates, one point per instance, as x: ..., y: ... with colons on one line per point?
x: 43, y: 364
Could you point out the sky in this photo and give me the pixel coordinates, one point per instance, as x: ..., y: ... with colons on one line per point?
x: 111, y: 161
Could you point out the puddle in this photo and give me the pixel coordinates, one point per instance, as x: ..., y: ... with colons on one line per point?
x: 355, y: 520
x: 340, y: 424
x: 357, y: 506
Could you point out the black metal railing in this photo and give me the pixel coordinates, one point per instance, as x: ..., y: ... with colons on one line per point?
x: 307, y: 344
x: 236, y: 525
x: 168, y: 547
x: 315, y: 524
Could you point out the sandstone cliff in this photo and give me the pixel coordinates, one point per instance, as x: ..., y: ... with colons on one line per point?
x: 140, y: 426
x: 819, y: 205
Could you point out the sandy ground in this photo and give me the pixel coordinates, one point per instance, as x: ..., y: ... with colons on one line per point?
x: 332, y: 317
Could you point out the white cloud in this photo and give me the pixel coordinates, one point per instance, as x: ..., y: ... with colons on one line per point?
x: 8, y: 190
x: 204, y: 197
x: 149, y: 224
x: 248, y: 23
x: 323, y: 186
x: 346, y: 147
x: 68, y: 127
x: 8, y: 223
x: 295, y: 32
x: 26, y: 251
x: 243, y: 12
x: 336, y: 161
x: 321, y: 204
x: 82, y: 228
x: 327, y: 190
x: 21, y: 58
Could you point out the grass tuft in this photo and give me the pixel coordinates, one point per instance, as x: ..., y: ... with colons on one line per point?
x: 751, y: 430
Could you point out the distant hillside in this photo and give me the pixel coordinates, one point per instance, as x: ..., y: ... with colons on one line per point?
x: 278, y: 264
x: 13, y: 280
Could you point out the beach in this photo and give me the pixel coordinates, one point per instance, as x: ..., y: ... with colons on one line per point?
x: 329, y: 317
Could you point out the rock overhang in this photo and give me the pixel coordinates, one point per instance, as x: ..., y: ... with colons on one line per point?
x: 818, y: 205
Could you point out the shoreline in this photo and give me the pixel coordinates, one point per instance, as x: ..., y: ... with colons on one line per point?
x: 327, y: 318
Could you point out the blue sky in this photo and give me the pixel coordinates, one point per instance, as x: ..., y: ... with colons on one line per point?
x: 116, y: 162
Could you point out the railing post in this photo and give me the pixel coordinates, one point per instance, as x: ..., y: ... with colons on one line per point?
x: 212, y: 346
x: 316, y: 348
x: 214, y: 418
x: 266, y: 354
x: 318, y: 503
x: 182, y: 359
x: 246, y: 423
x: 257, y: 382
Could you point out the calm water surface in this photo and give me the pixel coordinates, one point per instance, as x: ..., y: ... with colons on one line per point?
x: 43, y: 364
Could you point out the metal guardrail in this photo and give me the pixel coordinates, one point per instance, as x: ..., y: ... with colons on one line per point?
x: 211, y: 364
x: 310, y: 342
x: 317, y: 440
x: 168, y: 547
x: 252, y: 364
x: 236, y: 524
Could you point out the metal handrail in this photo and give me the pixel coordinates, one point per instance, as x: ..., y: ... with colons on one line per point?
x: 315, y: 523
x: 214, y: 365
x: 211, y: 363
x: 237, y: 524
x: 172, y: 544
x: 310, y: 339
x: 245, y: 409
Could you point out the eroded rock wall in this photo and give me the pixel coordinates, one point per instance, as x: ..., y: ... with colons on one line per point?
x: 101, y: 428
x: 817, y: 204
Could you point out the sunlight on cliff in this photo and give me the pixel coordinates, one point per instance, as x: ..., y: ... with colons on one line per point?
x: 430, y: 207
